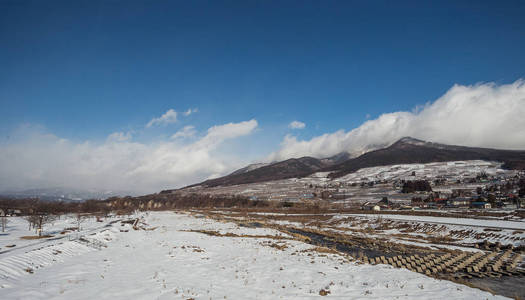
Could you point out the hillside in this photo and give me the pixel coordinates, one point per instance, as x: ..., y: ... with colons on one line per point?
x: 294, y: 167
x: 405, y: 151
x: 408, y: 150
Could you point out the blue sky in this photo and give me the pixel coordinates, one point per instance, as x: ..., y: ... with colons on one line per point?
x: 82, y: 70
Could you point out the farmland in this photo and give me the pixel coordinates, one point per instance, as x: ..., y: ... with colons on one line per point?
x: 230, y: 254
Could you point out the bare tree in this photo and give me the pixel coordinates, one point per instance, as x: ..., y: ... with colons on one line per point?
x: 31, y: 220
x: 105, y: 210
x: 41, y: 220
x: 4, y: 220
x: 38, y: 218
x: 80, y: 218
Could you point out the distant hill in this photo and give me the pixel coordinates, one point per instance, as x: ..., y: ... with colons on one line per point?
x: 329, y: 161
x: 61, y: 194
x: 294, y: 167
x: 405, y: 151
x: 409, y: 150
x: 249, y: 168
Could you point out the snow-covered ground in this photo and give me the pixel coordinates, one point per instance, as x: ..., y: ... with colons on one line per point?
x: 453, y: 221
x: 456, y: 169
x: 461, y: 230
x: 18, y: 227
x: 170, y: 262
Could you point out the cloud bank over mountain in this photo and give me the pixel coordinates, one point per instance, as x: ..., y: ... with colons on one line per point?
x: 39, y: 159
x: 482, y: 115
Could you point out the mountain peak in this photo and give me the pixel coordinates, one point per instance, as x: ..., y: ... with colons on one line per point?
x: 411, y: 140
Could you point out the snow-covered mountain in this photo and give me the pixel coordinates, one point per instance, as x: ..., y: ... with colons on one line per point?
x: 407, y: 150
x: 249, y: 168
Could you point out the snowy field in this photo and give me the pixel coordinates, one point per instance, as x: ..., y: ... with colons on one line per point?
x: 461, y: 231
x: 19, y: 227
x: 169, y: 262
x: 515, y: 225
x: 456, y: 169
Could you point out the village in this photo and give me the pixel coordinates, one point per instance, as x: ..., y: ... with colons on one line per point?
x: 447, y: 185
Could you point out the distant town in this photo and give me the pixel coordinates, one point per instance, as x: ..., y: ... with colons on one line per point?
x: 447, y: 185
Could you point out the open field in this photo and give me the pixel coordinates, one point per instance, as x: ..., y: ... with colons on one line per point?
x: 19, y: 236
x: 485, y: 253
x: 213, y: 255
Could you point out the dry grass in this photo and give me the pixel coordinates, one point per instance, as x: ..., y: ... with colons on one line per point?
x: 324, y: 250
x: 35, y: 237
x: 229, y: 234
x: 279, y: 246
x: 324, y: 292
x: 492, y: 229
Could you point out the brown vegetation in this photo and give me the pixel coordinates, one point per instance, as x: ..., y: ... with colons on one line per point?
x: 229, y: 234
x: 35, y: 237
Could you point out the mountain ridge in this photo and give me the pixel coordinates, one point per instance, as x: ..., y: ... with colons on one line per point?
x: 410, y: 150
x: 406, y: 150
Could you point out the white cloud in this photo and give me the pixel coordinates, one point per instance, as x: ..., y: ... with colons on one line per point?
x: 483, y: 115
x: 119, y: 137
x: 216, y: 134
x: 296, y: 125
x: 35, y: 158
x: 186, y: 132
x: 168, y: 117
x: 190, y: 111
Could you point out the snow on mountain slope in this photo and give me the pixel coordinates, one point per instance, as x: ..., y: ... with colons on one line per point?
x: 173, y: 263
x: 404, y: 151
x: 249, y: 168
x: 458, y: 169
